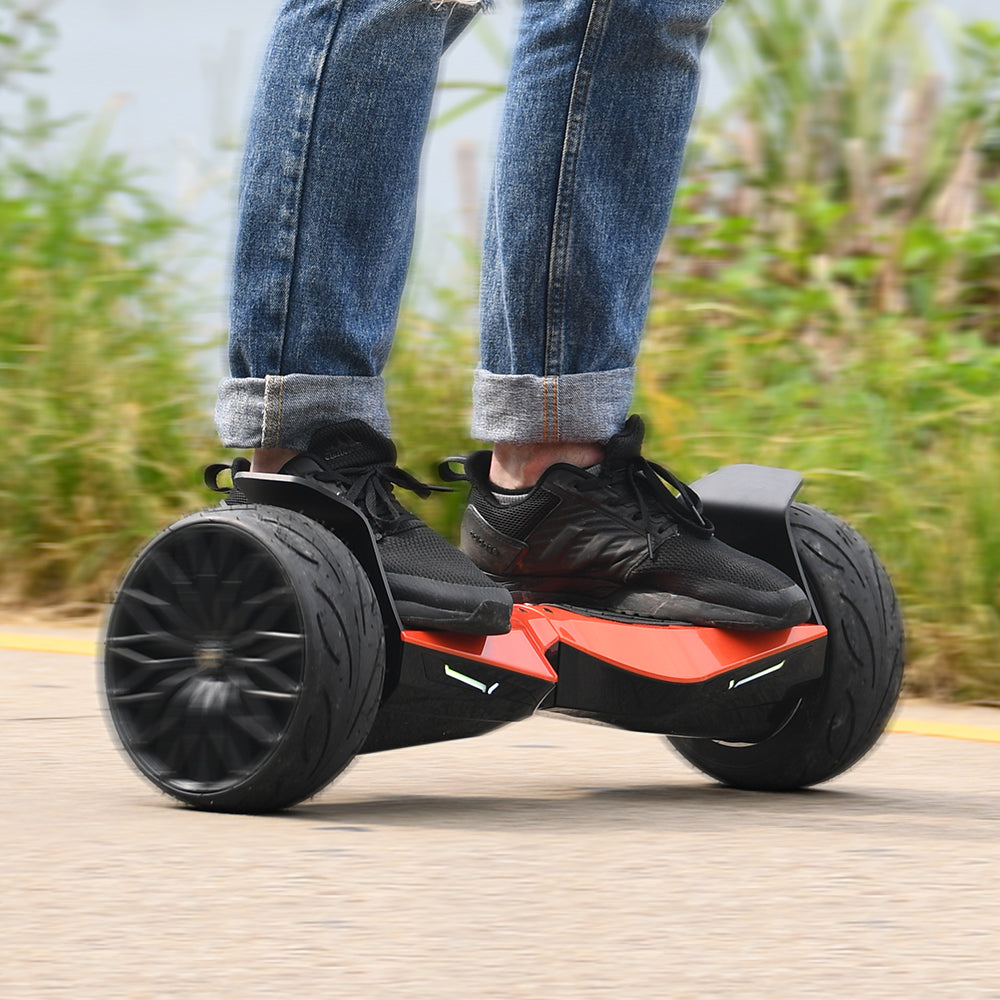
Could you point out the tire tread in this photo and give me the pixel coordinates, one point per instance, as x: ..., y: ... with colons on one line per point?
x: 343, y: 669
x: 846, y: 711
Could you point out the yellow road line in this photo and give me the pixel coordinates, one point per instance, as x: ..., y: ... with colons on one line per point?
x: 948, y: 730
x: 917, y: 727
x: 47, y: 644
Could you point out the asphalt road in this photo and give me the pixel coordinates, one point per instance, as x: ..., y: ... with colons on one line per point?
x: 549, y: 860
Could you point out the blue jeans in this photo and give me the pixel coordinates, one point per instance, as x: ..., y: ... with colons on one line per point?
x: 598, y: 107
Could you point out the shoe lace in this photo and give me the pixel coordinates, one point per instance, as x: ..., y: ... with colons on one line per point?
x: 657, y: 507
x: 370, y: 488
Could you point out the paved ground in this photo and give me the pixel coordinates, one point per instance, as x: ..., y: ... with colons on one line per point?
x: 549, y: 859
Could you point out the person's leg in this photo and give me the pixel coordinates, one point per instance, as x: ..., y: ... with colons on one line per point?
x: 326, y: 216
x: 598, y: 109
x: 326, y: 226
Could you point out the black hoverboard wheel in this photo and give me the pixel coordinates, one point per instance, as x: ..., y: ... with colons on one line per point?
x: 245, y: 654
x: 843, y: 714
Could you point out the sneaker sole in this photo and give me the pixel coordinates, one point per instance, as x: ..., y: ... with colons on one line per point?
x: 489, y: 618
x: 663, y: 608
x: 438, y: 606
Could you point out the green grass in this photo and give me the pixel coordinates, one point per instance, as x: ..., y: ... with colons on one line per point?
x: 104, y: 416
x: 894, y: 440
x: 828, y: 300
x: 103, y: 413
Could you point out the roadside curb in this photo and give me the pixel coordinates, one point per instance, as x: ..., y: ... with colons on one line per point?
x: 28, y: 643
x: 945, y: 730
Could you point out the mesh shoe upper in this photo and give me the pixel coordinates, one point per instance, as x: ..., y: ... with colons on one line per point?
x: 619, y: 539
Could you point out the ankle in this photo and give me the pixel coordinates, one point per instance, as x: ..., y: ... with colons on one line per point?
x: 519, y: 466
x: 271, y: 459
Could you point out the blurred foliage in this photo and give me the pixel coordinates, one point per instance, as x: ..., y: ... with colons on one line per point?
x: 102, y: 402
x: 829, y: 299
x: 25, y: 36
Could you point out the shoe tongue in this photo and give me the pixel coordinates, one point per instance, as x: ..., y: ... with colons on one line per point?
x: 626, y: 444
x: 352, y: 443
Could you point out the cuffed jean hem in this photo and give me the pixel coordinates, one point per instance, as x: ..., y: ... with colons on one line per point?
x: 530, y: 409
x: 284, y: 411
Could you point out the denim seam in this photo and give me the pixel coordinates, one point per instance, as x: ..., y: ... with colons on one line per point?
x: 272, y: 410
x: 559, y: 249
x: 307, y: 120
x: 281, y: 390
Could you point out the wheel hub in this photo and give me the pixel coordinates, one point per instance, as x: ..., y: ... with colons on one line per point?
x: 211, y: 655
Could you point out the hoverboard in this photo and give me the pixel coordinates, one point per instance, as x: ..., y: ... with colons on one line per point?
x: 252, y: 651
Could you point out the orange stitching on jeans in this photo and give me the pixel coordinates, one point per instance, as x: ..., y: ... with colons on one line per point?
x: 555, y: 406
x: 277, y: 436
x: 265, y: 428
x: 272, y: 412
x: 545, y: 408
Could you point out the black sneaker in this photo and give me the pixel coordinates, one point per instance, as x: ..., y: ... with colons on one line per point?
x: 616, y: 540
x: 433, y: 584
